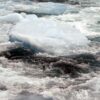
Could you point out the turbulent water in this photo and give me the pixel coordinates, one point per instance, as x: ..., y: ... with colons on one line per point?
x: 21, y: 80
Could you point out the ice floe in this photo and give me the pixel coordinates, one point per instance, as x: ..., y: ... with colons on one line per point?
x: 47, y: 35
x: 47, y: 8
x: 11, y: 18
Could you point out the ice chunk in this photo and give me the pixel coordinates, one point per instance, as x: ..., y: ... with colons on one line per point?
x: 11, y: 18
x: 31, y: 17
x: 47, y: 35
x: 47, y: 8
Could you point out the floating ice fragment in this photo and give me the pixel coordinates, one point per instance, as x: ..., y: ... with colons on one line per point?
x: 11, y: 18
x: 47, y: 8
x: 46, y: 35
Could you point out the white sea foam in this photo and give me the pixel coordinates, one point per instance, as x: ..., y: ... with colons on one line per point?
x: 90, y: 23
